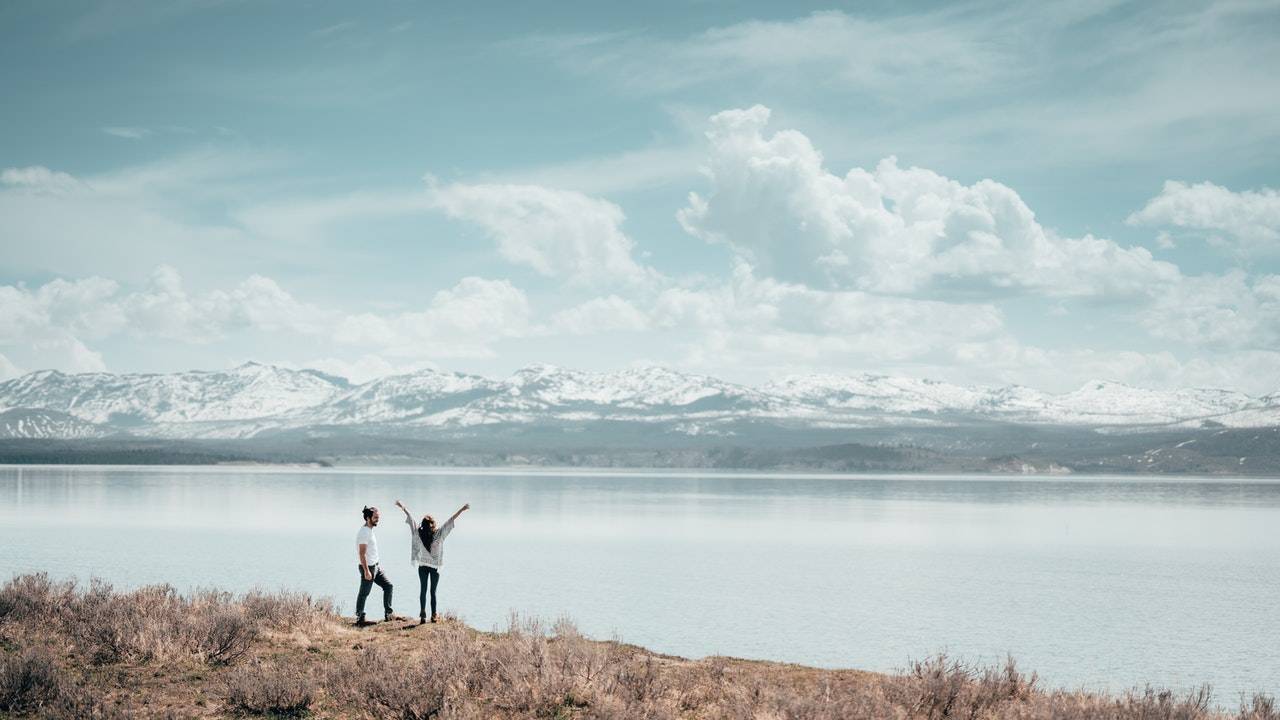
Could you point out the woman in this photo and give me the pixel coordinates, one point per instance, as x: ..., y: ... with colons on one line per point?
x: 427, y: 552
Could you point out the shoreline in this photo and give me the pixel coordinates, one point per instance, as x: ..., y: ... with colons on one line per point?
x: 70, y: 650
x: 640, y: 472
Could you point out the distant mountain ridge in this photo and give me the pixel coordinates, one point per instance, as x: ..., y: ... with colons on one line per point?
x: 253, y: 399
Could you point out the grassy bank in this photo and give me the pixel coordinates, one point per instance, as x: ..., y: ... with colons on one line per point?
x: 94, y: 652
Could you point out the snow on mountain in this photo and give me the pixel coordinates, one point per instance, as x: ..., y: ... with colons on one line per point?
x: 1111, y: 403
x: 43, y: 424
x: 400, y: 398
x: 632, y: 389
x: 248, y: 391
x: 253, y: 398
x: 878, y: 393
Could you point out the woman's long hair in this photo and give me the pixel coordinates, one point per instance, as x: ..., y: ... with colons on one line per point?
x: 427, y: 532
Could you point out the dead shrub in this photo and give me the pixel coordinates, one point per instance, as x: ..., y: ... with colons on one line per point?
x: 1261, y: 707
x: 222, y: 635
x: 156, y: 623
x: 34, y: 596
x: 940, y: 687
x: 111, y: 627
x: 79, y: 703
x: 286, y: 610
x: 398, y: 688
x: 274, y: 689
x: 28, y: 681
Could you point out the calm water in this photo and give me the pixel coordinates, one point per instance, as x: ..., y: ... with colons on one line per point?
x: 1095, y: 582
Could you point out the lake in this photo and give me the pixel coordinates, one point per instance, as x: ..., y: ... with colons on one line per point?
x: 1102, y: 583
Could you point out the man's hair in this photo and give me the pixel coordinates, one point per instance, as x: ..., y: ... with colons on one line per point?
x: 368, y: 511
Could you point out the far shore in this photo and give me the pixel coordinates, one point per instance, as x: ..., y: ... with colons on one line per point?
x: 636, y: 471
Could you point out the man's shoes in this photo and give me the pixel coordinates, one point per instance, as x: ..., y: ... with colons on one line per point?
x: 361, y: 622
x: 433, y: 617
x: 422, y: 619
x: 388, y: 617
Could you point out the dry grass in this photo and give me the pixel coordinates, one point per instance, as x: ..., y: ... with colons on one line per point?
x: 273, y: 689
x: 95, y: 652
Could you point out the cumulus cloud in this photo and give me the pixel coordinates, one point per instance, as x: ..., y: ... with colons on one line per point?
x: 764, y: 324
x: 44, y: 323
x: 891, y: 229
x: 463, y: 321
x: 1248, y: 220
x: 599, y: 315
x: 558, y: 233
x: 165, y: 309
x: 52, y: 322
x: 1229, y: 310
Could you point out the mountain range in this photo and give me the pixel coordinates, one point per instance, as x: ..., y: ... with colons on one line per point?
x: 255, y: 399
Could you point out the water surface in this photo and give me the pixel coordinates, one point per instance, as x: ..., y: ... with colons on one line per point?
x: 1103, y: 583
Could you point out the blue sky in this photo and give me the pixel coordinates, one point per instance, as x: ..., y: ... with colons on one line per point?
x: 978, y: 192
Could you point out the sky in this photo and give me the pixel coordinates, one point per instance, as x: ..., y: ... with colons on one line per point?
x: 1044, y: 194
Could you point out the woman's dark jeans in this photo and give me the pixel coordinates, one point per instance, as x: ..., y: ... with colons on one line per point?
x: 432, y: 576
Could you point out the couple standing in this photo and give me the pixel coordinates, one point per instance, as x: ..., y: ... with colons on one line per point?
x: 426, y: 551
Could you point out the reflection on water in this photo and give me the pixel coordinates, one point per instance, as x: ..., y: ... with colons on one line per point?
x: 1102, y: 582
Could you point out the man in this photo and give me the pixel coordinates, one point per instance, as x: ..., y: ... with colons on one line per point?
x: 370, y: 573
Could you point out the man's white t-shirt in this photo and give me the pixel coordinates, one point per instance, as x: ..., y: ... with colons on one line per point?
x: 365, y: 536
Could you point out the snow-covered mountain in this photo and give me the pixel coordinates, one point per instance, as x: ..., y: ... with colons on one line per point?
x: 249, y: 391
x: 252, y: 398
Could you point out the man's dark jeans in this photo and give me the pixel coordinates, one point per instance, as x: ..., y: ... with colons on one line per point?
x: 367, y: 585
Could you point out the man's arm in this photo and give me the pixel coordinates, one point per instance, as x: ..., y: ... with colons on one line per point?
x: 364, y: 562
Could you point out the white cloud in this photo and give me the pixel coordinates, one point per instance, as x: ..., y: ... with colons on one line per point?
x: 989, y: 84
x: 307, y: 220
x: 57, y: 308
x: 1227, y: 310
x: 165, y: 309
x: 1007, y: 361
x: 50, y: 324
x: 761, y: 325
x: 832, y: 49
x: 463, y: 321
x: 129, y: 133
x: 114, y: 222
x: 1248, y: 220
x: 40, y: 179
x: 620, y: 172
x: 891, y: 229
x: 558, y: 233
x: 599, y: 315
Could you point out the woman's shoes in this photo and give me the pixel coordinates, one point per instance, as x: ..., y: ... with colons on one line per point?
x: 422, y: 619
x: 433, y: 617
